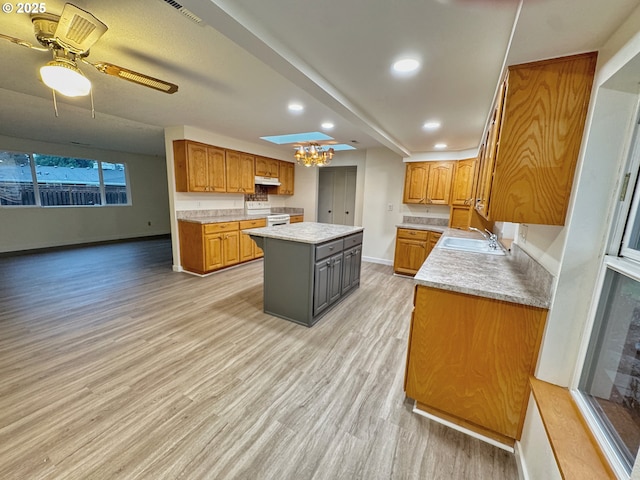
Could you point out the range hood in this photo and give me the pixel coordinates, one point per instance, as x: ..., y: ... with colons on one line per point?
x: 267, y: 181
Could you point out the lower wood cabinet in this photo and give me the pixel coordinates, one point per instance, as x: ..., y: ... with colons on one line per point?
x: 412, y: 249
x: 296, y: 218
x: 248, y: 248
x: 205, y: 248
x: 469, y: 360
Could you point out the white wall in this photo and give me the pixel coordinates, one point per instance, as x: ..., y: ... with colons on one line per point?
x: 25, y: 228
x: 383, y: 182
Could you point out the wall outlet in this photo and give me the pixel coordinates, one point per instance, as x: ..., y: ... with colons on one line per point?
x: 522, y: 233
x: 390, y: 207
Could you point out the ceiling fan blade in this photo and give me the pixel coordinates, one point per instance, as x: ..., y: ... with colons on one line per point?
x: 77, y: 29
x: 24, y: 43
x: 135, y: 77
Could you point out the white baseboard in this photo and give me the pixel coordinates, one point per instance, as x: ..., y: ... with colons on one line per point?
x: 523, y: 473
x: 381, y: 261
x: 471, y: 433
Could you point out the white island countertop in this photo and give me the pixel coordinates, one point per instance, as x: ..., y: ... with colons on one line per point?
x: 305, y: 232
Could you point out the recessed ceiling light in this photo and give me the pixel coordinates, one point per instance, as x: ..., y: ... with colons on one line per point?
x: 406, y: 65
x: 327, y: 125
x: 440, y: 146
x: 432, y: 125
x: 296, y: 107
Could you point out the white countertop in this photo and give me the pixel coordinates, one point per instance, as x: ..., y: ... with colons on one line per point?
x: 305, y: 232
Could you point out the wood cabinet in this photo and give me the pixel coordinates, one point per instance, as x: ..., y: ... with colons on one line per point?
x: 205, y: 248
x: 267, y: 167
x: 240, y: 170
x: 530, y: 152
x: 199, y: 167
x: 248, y: 248
x: 463, y: 177
x: 460, y: 216
x: 412, y: 249
x: 287, y: 178
x: 428, y: 183
x: 296, y: 218
x: 469, y: 360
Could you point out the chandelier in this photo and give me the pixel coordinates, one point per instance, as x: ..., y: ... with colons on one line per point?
x: 313, y: 155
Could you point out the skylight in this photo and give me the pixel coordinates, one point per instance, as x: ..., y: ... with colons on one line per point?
x: 297, y: 138
x: 341, y: 146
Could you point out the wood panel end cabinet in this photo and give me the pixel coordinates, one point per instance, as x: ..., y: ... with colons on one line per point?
x: 412, y: 249
x: 528, y: 157
x: 469, y: 360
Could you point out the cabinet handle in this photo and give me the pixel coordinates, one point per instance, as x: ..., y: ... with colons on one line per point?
x: 331, y: 248
x: 412, y: 233
x: 328, y: 263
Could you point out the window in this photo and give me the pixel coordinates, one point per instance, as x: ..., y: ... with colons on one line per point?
x: 609, y: 383
x: 60, y: 181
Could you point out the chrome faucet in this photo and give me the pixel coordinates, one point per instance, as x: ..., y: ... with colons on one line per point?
x: 492, y: 237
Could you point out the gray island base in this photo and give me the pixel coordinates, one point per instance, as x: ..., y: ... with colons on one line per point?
x: 308, y: 268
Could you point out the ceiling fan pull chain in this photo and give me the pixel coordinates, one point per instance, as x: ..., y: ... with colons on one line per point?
x: 55, y: 104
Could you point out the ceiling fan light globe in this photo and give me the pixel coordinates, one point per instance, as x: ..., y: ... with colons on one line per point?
x: 65, y: 78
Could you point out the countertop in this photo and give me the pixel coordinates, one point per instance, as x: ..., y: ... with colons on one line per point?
x: 305, y: 232
x: 509, y: 277
x: 422, y: 226
x: 224, y: 218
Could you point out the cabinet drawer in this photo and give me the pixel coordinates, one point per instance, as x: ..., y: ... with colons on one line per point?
x: 413, y: 234
x: 220, y: 227
x: 296, y: 218
x: 327, y: 249
x: 257, y: 223
x: 352, y: 240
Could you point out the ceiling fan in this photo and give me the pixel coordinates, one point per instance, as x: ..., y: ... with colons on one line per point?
x: 68, y: 37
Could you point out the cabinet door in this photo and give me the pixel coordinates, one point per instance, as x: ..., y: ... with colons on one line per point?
x: 213, y: 248
x: 335, y: 278
x: 415, y: 182
x: 197, y: 168
x: 240, y: 172
x: 347, y: 269
x: 231, y: 248
x: 356, y: 264
x: 433, y: 239
x: 462, y: 191
x: 216, y: 171
x: 266, y: 167
x: 321, y: 277
x: 460, y: 217
x: 247, y: 248
x: 439, y: 183
x: 286, y: 177
x: 409, y: 255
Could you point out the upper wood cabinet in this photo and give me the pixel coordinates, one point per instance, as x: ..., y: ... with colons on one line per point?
x: 199, y: 167
x: 267, y: 167
x: 287, y: 176
x: 531, y: 148
x: 428, y: 183
x: 240, y: 172
x: 462, y: 191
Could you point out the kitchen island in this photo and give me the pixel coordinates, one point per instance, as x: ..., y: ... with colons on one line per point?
x: 308, y: 268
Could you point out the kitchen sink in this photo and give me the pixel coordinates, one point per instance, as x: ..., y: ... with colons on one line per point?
x: 475, y: 245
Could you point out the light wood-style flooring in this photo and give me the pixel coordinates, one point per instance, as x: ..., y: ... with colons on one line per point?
x: 113, y: 366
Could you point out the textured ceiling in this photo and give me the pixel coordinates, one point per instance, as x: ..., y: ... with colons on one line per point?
x: 238, y: 71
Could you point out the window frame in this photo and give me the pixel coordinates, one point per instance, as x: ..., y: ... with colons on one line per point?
x: 617, y: 256
x: 102, y: 187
